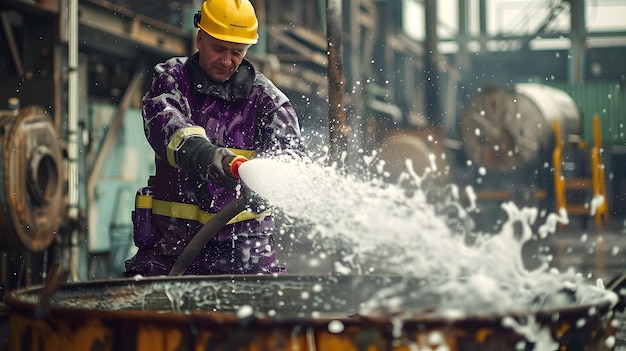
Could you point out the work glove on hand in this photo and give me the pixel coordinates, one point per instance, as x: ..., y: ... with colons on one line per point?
x: 198, y: 155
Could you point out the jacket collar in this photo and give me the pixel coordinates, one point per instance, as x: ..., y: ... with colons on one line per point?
x: 237, y: 87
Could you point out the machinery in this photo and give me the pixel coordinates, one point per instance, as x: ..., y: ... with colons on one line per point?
x: 32, y: 193
x: 68, y: 158
x: 507, y: 136
x: 32, y: 180
x: 510, y: 129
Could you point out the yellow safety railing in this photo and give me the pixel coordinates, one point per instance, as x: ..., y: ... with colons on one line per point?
x: 598, y: 176
x: 559, y: 181
x: 596, y: 184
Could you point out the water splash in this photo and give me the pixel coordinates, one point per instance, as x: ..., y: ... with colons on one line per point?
x: 441, y: 267
x: 383, y: 228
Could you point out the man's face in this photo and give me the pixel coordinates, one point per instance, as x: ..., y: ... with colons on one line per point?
x: 219, y: 59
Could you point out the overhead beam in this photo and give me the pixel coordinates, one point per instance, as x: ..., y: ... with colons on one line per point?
x: 114, y: 29
x: 129, y: 28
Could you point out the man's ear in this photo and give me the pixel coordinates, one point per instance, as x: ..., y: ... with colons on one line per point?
x: 199, y: 39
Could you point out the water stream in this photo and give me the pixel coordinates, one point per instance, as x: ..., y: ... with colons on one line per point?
x: 403, y: 229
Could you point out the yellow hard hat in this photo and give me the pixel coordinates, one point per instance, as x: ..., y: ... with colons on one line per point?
x: 228, y: 20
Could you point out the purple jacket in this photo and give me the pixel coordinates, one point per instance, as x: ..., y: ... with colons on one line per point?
x: 246, y: 112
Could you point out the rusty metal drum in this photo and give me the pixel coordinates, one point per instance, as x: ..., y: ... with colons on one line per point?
x: 31, y: 187
x: 306, y: 313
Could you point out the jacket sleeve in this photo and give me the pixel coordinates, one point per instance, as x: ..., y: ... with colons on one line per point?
x: 166, y: 112
x: 279, y: 131
x: 282, y: 133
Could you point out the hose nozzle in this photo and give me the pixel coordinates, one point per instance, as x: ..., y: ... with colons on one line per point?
x: 234, y: 164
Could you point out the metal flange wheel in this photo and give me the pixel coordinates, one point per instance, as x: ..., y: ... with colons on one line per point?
x: 31, y: 180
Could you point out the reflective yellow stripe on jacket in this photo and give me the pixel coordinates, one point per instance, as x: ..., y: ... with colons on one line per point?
x: 188, y: 211
x: 193, y: 212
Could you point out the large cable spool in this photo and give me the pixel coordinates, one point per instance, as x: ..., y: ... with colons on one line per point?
x: 507, y: 129
x: 31, y: 185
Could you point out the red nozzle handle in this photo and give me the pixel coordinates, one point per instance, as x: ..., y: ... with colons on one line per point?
x: 235, y: 164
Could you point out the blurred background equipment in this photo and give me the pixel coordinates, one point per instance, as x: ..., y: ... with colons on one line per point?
x: 509, y: 129
x: 32, y: 180
x: 507, y: 134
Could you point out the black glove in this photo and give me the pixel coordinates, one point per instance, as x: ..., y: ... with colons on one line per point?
x: 199, y: 156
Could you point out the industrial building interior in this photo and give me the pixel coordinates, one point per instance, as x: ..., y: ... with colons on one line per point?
x: 416, y: 78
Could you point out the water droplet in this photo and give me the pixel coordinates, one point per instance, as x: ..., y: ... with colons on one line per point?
x: 335, y: 327
x: 245, y: 311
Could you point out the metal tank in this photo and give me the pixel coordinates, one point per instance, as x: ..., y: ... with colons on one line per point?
x: 275, y: 313
x: 396, y: 150
x: 426, y: 156
x: 505, y: 129
x: 31, y: 180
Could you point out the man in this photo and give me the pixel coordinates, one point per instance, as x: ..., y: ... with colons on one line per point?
x: 199, y: 113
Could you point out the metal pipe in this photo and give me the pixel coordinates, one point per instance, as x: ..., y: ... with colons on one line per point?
x: 432, y: 88
x: 72, y: 135
x: 462, y: 57
x: 337, y: 125
x: 482, y: 18
x: 261, y: 13
x: 578, y: 38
